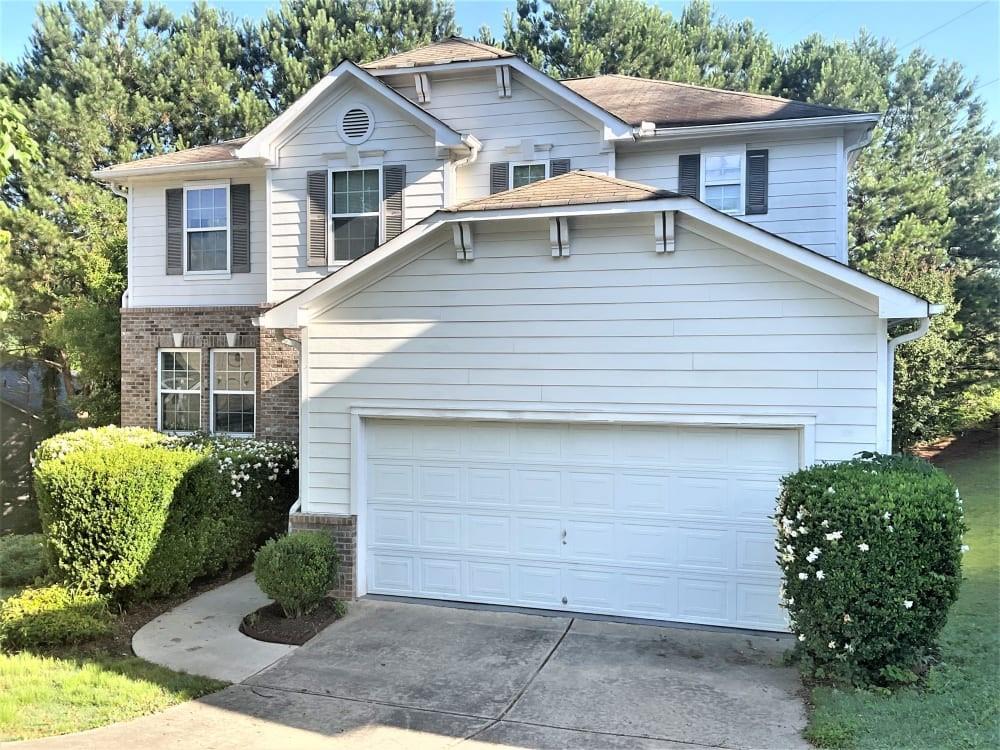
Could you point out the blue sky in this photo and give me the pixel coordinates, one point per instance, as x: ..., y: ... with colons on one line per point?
x: 968, y: 32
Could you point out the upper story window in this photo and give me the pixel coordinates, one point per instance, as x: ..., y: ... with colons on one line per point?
x: 179, y: 390
x: 354, y: 209
x: 722, y: 181
x: 206, y: 228
x: 525, y: 173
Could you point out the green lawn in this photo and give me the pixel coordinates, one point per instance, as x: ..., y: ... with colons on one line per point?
x: 960, y: 705
x: 44, y: 695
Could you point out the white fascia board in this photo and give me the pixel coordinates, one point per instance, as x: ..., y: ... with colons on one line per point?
x: 119, y: 175
x: 261, y: 145
x: 753, y: 128
x: 297, y: 310
x: 614, y: 128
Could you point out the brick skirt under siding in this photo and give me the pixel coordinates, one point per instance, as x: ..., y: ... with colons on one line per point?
x: 146, y: 330
x: 344, y: 532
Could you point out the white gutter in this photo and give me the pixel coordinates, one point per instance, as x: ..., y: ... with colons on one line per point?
x: 105, y: 175
x: 735, y: 128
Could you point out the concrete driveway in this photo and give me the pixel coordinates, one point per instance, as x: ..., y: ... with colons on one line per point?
x: 398, y: 675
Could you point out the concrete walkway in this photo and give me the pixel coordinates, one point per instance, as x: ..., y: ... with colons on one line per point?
x: 202, y: 636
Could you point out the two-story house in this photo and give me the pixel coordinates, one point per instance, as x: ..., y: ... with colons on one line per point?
x: 545, y: 344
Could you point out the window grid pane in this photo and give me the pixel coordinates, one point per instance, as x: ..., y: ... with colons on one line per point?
x: 207, y: 251
x: 180, y: 391
x: 234, y: 413
x: 723, y: 168
x: 356, y: 192
x: 525, y: 174
x: 233, y: 388
x: 723, y: 197
x: 234, y: 371
x: 354, y: 237
x: 206, y: 208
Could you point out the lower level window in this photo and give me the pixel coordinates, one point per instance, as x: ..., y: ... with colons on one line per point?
x: 234, y: 382
x: 180, y: 390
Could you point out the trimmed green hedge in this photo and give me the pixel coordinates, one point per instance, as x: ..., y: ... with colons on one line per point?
x: 51, y: 616
x: 871, y: 554
x: 297, y: 570
x: 22, y: 559
x: 134, y: 515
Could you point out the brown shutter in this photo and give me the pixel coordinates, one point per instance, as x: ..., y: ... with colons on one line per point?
x: 689, y: 177
x: 393, y: 182
x: 756, y: 199
x: 317, y: 218
x: 239, y: 226
x: 558, y: 167
x: 175, y: 231
x: 499, y: 177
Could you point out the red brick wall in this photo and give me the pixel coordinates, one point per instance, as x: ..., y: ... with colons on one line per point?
x: 146, y: 330
x: 344, y: 532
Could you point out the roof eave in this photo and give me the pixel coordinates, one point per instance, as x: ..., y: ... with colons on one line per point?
x: 111, y: 174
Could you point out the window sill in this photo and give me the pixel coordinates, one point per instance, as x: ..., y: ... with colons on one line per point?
x: 207, y: 275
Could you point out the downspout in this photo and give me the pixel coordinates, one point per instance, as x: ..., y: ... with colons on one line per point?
x: 125, y: 193
x: 475, y: 146
x: 892, y: 344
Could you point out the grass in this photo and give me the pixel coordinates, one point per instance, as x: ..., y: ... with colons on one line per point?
x: 959, y: 707
x: 45, y: 695
x: 70, y: 689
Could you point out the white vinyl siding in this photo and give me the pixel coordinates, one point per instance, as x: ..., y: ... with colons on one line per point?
x: 318, y: 145
x: 469, y: 103
x: 805, y: 194
x: 150, y: 286
x: 615, y: 328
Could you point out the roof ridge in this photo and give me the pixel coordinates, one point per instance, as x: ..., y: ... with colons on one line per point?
x: 481, y: 45
x: 749, y: 94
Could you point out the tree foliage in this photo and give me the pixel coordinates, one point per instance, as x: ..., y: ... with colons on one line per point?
x: 103, y: 82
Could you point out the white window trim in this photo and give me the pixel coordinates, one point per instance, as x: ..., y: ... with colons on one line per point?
x: 159, y: 387
x: 531, y: 163
x: 740, y: 151
x: 225, y: 392
x: 215, y: 274
x: 330, y: 215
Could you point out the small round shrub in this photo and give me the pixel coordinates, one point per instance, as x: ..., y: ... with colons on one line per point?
x: 22, y: 559
x: 50, y: 616
x: 297, y: 570
x: 871, y: 553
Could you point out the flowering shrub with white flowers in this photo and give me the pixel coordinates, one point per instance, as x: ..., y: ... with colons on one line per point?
x: 871, y: 555
x: 133, y: 515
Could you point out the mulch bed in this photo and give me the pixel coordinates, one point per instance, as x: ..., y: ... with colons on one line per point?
x: 956, y: 447
x: 270, y: 624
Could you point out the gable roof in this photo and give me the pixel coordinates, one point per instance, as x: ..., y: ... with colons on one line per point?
x: 589, y: 194
x: 452, y: 49
x: 212, y: 154
x: 577, y: 188
x: 668, y: 104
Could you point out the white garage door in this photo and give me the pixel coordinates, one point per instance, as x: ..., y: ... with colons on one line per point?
x: 669, y: 523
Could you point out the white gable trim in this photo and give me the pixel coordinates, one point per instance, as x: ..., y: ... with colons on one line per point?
x: 614, y: 128
x: 262, y: 146
x: 880, y: 298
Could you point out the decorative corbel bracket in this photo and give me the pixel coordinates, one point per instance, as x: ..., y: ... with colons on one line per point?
x: 559, y: 237
x: 663, y: 231
x: 462, y: 234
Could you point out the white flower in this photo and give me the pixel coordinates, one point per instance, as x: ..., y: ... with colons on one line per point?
x: 833, y: 536
x: 802, y: 636
x: 803, y: 576
x: 813, y: 555
x: 825, y: 524
x: 847, y: 618
x: 803, y: 530
x: 849, y: 647
x: 887, y: 515
x: 864, y: 547
x: 820, y: 575
x: 891, y: 529
x: 802, y: 513
x: 965, y: 548
x: 831, y: 491
x: 908, y: 604
x: 832, y: 644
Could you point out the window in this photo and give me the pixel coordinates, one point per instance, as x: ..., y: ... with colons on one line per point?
x: 180, y: 390
x: 723, y: 181
x: 234, y: 385
x: 525, y: 174
x: 355, y: 212
x: 206, y: 228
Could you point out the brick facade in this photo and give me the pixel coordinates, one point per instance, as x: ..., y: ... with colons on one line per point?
x: 147, y: 330
x: 344, y: 532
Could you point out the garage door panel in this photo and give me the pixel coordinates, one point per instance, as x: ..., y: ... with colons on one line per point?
x: 588, y: 491
x: 440, y: 531
x: 630, y: 520
x: 487, y: 533
x: 536, y: 488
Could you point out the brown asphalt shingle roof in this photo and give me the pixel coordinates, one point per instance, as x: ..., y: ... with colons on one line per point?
x: 571, y: 189
x: 668, y: 104
x: 215, y: 152
x: 452, y: 49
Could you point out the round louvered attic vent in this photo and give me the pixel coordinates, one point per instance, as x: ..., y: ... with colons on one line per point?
x: 357, y: 124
